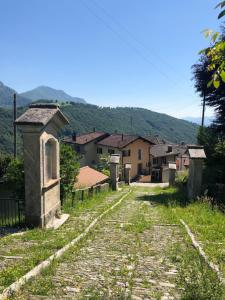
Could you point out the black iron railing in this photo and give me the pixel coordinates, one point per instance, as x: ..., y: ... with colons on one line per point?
x: 11, y: 212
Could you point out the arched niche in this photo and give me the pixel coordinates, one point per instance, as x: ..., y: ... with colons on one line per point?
x: 51, y: 164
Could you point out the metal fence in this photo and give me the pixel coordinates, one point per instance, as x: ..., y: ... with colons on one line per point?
x: 11, y: 212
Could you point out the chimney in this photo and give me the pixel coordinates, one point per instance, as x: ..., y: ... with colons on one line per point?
x: 74, y: 136
x: 93, y: 129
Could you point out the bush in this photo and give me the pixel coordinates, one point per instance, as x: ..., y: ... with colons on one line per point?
x: 4, y: 162
x: 14, y: 177
x: 69, y: 169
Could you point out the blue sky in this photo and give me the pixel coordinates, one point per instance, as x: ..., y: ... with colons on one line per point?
x: 110, y: 52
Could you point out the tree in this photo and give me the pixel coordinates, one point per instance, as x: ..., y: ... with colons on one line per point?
x: 215, y: 52
x: 214, y: 96
x: 4, y: 162
x: 69, y: 169
x: 14, y: 177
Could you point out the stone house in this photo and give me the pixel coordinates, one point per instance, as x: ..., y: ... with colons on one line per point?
x: 161, y: 155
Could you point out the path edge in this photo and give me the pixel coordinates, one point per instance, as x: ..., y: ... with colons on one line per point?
x: 14, y: 287
x: 214, y: 267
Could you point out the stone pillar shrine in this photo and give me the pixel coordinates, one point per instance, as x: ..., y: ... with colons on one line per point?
x: 127, y: 169
x: 114, y: 170
x: 40, y: 125
x: 197, y: 155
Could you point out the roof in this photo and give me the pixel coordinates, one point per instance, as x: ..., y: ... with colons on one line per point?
x: 40, y: 114
x: 161, y: 150
x: 120, y: 140
x: 89, y: 177
x: 85, y: 138
x: 156, y: 140
x: 196, y: 153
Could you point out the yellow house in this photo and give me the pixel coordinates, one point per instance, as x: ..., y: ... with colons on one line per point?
x: 133, y: 149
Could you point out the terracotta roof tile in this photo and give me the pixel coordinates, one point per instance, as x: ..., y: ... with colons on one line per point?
x: 89, y: 177
x: 120, y: 140
x: 85, y: 138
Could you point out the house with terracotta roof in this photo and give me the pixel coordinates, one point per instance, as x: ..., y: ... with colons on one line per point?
x: 133, y: 149
x: 85, y: 145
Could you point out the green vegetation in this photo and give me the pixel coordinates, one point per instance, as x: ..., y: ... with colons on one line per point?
x: 207, y: 225
x: 69, y: 169
x: 85, y: 117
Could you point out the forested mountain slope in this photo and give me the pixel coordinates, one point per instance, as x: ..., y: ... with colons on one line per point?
x: 85, y: 117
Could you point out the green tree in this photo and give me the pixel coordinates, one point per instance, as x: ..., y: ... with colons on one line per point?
x: 14, y: 177
x: 69, y: 169
x: 215, y: 52
x: 4, y: 162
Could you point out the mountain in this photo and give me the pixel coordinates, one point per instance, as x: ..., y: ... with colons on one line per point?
x: 196, y: 120
x: 48, y: 93
x: 123, y: 119
x: 6, y: 97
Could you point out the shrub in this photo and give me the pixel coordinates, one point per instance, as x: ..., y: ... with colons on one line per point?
x: 69, y: 169
x: 14, y: 177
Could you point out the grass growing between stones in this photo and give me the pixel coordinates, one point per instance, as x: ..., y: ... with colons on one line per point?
x: 36, y: 245
x: 207, y: 225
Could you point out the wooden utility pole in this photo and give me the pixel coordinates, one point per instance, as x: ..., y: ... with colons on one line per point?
x: 14, y: 125
x: 203, y: 110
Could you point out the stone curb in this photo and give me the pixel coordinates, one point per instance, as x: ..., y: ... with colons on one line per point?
x: 37, y: 270
x: 213, y: 266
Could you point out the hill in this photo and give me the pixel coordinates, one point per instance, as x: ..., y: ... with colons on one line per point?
x: 6, y: 97
x: 48, y: 93
x: 123, y: 119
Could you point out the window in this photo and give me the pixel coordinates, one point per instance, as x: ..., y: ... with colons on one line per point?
x: 111, y: 151
x: 99, y: 150
x: 50, y: 160
x: 126, y: 153
x: 155, y: 161
x: 139, y: 154
x: 164, y: 160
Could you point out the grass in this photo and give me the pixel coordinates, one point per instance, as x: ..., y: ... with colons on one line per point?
x: 208, y: 225
x: 37, y: 244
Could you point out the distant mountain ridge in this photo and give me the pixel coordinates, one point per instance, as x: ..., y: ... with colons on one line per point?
x: 41, y: 92
x: 130, y: 120
x: 196, y: 120
x: 48, y: 93
x: 6, y: 97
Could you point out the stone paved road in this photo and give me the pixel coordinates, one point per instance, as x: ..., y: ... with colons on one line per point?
x: 124, y: 257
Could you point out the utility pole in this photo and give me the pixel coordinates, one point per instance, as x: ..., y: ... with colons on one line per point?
x: 14, y: 125
x: 203, y: 110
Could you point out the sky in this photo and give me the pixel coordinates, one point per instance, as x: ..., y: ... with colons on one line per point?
x: 109, y: 52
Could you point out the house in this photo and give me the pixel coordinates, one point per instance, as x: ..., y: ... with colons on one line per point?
x: 85, y: 145
x: 162, y: 154
x: 133, y: 149
x: 89, y: 177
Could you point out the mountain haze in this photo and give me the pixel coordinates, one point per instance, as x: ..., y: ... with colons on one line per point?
x: 48, y: 93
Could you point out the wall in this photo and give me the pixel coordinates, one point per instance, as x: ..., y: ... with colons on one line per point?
x: 133, y: 158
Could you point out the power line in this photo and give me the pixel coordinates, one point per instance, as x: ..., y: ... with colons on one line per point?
x: 127, y: 42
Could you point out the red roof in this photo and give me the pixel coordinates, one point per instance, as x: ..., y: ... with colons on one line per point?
x: 85, y: 138
x: 89, y: 177
x: 120, y: 140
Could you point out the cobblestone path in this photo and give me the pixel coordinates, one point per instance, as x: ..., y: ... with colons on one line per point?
x: 20, y: 253
x: 125, y: 257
